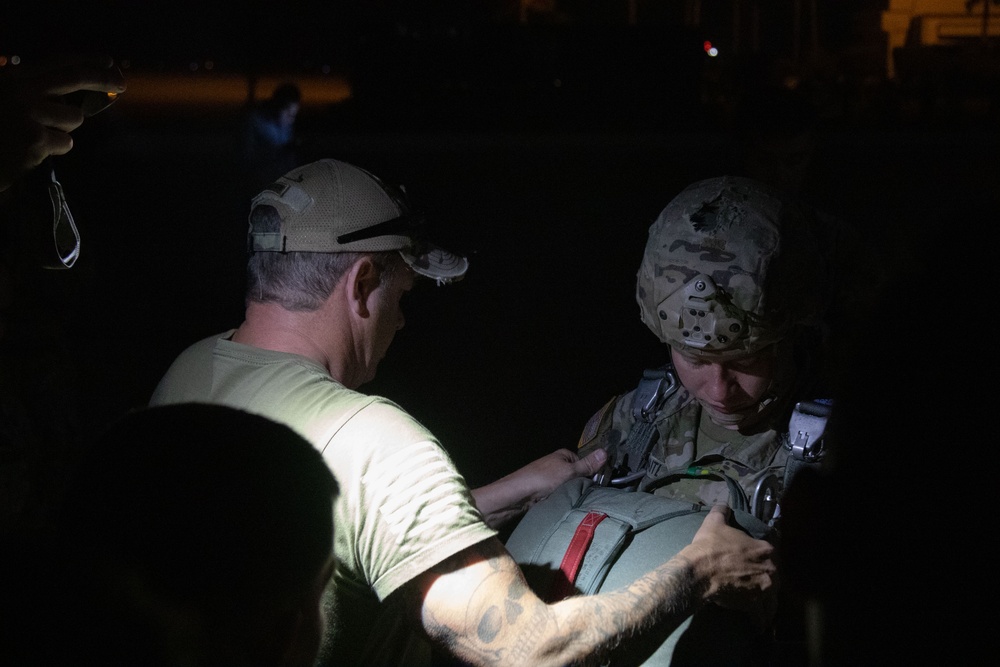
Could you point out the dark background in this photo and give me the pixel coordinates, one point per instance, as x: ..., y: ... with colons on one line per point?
x: 549, y: 189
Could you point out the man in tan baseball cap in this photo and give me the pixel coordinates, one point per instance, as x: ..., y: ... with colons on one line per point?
x: 332, y: 207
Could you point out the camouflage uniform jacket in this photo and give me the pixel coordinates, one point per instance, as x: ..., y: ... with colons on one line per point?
x: 691, y: 452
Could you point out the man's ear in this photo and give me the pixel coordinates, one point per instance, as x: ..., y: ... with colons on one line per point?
x: 362, y: 280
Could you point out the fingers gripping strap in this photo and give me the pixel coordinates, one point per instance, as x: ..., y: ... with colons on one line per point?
x: 564, y: 586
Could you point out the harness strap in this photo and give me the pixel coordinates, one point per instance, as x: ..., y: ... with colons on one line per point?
x: 631, y: 457
x: 634, y: 453
x: 737, y: 496
x: 633, y: 466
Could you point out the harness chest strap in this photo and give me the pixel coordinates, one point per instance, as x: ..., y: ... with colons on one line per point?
x: 629, y: 460
x: 632, y: 462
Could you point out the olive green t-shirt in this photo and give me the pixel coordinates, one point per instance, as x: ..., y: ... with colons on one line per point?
x: 402, y: 508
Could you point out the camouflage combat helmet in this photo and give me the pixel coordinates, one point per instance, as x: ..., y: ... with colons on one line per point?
x: 730, y: 266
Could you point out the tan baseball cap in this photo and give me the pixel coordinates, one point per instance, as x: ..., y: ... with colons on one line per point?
x: 333, y: 206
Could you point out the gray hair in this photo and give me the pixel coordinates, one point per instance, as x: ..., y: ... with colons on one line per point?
x: 302, y: 281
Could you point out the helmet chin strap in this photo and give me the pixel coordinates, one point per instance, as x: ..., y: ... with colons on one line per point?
x: 744, y: 418
x: 728, y: 420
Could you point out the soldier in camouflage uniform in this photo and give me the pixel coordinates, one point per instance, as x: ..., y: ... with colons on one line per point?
x: 735, y: 279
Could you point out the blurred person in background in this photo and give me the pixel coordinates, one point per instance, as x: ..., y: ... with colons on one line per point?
x: 864, y: 536
x: 269, y: 146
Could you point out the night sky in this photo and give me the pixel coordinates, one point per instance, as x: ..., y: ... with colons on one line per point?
x: 287, y: 31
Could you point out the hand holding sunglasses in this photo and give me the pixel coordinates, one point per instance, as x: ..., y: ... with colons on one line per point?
x: 40, y: 104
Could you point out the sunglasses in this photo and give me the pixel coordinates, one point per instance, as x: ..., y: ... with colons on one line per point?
x: 61, y: 250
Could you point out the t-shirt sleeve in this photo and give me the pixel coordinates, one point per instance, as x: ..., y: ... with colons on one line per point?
x: 404, y: 507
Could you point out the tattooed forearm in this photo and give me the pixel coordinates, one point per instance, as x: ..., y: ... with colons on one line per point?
x: 479, y: 607
x: 489, y: 625
x: 526, y: 640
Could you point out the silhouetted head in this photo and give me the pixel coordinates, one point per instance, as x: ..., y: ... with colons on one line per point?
x: 200, y: 534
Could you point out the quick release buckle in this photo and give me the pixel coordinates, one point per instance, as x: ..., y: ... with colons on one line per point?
x: 806, y: 427
x: 654, y: 385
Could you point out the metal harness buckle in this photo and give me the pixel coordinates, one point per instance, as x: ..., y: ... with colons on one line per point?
x: 655, y: 385
x: 805, y: 429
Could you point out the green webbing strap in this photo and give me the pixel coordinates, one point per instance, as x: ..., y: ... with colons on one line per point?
x: 634, y: 452
x: 737, y: 496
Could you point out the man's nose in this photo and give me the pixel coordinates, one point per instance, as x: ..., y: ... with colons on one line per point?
x: 718, y: 383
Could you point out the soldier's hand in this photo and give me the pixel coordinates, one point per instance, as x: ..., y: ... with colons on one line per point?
x: 551, y: 471
x: 512, y: 495
x: 736, y: 570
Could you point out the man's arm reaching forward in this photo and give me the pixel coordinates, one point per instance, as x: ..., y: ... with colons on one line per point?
x: 478, y: 606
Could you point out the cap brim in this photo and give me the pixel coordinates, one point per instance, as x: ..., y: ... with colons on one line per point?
x: 437, y: 263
